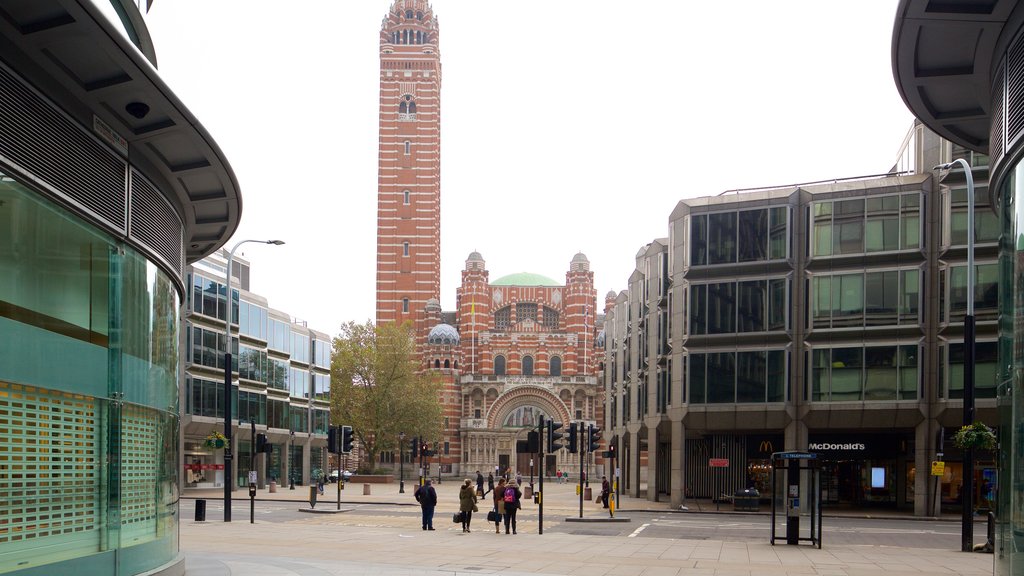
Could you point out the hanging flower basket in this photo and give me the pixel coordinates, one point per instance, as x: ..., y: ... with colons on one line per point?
x: 977, y: 436
x: 216, y: 441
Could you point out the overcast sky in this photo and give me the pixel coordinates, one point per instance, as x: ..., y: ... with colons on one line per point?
x: 566, y: 126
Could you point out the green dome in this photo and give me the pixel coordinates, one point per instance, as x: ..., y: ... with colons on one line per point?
x: 524, y: 279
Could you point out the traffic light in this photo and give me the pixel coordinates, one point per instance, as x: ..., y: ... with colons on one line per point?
x: 572, y: 438
x: 415, y: 448
x: 611, y: 448
x: 554, y: 438
x: 532, y: 442
x: 346, y: 439
x: 424, y: 449
x: 263, y: 446
x: 333, y: 440
x: 593, y: 438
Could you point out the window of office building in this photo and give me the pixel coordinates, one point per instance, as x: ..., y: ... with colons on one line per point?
x: 279, y: 336
x: 876, y: 298
x: 865, y: 373
x: 755, y: 376
x: 277, y: 373
x: 300, y: 347
x: 252, y: 320
x: 298, y: 382
x: 954, y: 211
x: 986, y: 369
x: 321, y: 386
x: 866, y: 225
x: 208, y: 298
x: 252, y: 363
x: 745, y: 306
x: 278, y: 413
x: 986, y: 291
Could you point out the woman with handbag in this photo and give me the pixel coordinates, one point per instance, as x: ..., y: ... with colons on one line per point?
x: 499, y: 504
x: 467, y: 504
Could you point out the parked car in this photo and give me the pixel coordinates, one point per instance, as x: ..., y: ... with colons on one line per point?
x: 333, y: 476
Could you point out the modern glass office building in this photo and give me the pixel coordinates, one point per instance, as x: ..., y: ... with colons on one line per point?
x: 825, y: 317
x: 958, y: 67
x: 108, y: 187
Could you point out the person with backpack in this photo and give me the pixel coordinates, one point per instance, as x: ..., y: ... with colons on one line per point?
x: 499, y: 504
x: 427, y: 497
x: 511, y: 497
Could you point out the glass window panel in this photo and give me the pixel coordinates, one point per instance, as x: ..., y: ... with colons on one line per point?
x: 910, y: 296
x: 882, y: 234
x: 849, y: 238
x: 698, y: 309
x: 722, y: 308
x: 210, y: 297
x: 776, y: 389
x: 777, y: 304
x: 911, y: 231
x: 751, y: 376
x: 847, y: 374
x: 986, y: 286
x: 908, y: 384
x: 821, y: 288
x: 698, y: 379
x: 880, y: 374
x: 527, y: 365
x: 881, y: 298
x: 721, y: 377
x: 848, y: 300
x: 698, y: 240
x: 722, y: 238
x: 778, y: 239
x: 753, y: 235
x: 823, y: 238
x: 821, y: 360
x: 751, y: 306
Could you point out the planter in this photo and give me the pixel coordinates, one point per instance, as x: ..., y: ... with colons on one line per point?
x: 977, y: 436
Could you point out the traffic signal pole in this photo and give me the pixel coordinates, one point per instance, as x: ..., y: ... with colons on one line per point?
x: 583, y: 451
x: 540, y: 493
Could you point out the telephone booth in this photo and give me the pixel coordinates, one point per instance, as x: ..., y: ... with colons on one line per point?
x: 796, y: 498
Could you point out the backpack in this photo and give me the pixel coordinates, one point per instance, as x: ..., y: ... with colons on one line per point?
x: 510, y: 495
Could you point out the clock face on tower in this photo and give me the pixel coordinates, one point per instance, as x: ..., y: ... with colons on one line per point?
x: 498, y: 297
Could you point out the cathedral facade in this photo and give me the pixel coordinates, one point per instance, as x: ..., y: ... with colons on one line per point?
x: 514, y: 349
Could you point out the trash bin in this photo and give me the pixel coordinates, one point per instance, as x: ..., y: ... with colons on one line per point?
x: 200, y: 510
x: 588, y: 494
x: 748, y: 500
x: 366, y: 489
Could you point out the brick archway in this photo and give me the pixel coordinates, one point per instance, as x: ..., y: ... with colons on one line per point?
x: 526, y: 396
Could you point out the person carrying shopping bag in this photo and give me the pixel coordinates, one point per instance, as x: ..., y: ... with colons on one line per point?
x: 499, y: 504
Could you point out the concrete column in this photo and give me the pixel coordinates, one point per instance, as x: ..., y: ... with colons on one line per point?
x: 634, y: 465
x: 676, y: 452
x: 652, y: 463
x: 926, y: 500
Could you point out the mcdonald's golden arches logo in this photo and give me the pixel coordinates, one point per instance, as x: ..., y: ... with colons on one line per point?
x: 766, y: 447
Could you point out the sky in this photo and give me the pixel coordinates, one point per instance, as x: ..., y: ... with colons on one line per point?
x: 565, y: 126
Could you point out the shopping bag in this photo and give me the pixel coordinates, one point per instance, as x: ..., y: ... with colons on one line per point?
x: 457, y: 517
x: 492, y: 516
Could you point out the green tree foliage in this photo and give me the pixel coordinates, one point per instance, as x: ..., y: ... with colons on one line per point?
x: 377, y: 388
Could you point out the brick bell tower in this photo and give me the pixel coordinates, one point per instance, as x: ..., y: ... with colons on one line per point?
x: 409, y: 163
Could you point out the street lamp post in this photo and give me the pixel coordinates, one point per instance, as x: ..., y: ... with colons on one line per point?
x: 227, y: 378
x: 401, y: 463
x: 967, y: 486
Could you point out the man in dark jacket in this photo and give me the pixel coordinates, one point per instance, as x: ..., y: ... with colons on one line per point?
x: 427, y: 497
x: 606, y: 490
x: 490, y: 483
x: 479, y: 484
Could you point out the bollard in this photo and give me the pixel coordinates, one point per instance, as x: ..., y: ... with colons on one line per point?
x: 990, y: 546
x: 200, y: 510
x: 366, y: 489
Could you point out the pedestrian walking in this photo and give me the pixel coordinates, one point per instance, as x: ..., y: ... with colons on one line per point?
x: 427, y: 497
x: 479, y: 484
x: 467, y: 504
x: 606, y: 490
x: 499, y: 504
x: 512, y: 499
x: 519, y: 478
x: 490, y: 483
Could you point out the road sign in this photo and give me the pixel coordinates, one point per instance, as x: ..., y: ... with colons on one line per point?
x: 718, y: 462
x: 938, y: 468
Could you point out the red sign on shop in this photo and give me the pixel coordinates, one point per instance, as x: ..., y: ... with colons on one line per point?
x: 718, y: 462
x: 198, y: 467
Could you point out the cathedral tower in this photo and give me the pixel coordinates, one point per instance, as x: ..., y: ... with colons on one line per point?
x: 409, y: 163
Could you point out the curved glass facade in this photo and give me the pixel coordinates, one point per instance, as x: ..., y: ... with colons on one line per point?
x: 88, y: 396
x: 1010, y: 395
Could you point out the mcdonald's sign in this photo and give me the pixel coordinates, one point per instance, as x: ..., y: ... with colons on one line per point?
x: 766, y: 447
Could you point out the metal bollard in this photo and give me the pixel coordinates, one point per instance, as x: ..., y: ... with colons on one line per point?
x: 200, y: 510
x: 991, y: 544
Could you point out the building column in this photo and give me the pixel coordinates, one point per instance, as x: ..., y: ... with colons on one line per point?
x: 634, y: 465
x: 652, y: 463
x: 677, y: 488
x: 925, y: 484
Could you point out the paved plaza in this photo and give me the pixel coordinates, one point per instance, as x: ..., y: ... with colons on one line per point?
x: 321, y: 544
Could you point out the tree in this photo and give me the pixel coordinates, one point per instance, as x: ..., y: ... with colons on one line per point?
x: 377, y: 388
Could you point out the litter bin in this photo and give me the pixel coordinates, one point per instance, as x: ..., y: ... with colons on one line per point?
x: 200, y: 510
x: 366, y: 489
x: 748, y: 500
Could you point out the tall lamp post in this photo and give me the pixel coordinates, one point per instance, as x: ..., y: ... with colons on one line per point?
x: 967, y: 486
x: 401, y: 463
x: 227, y: 379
